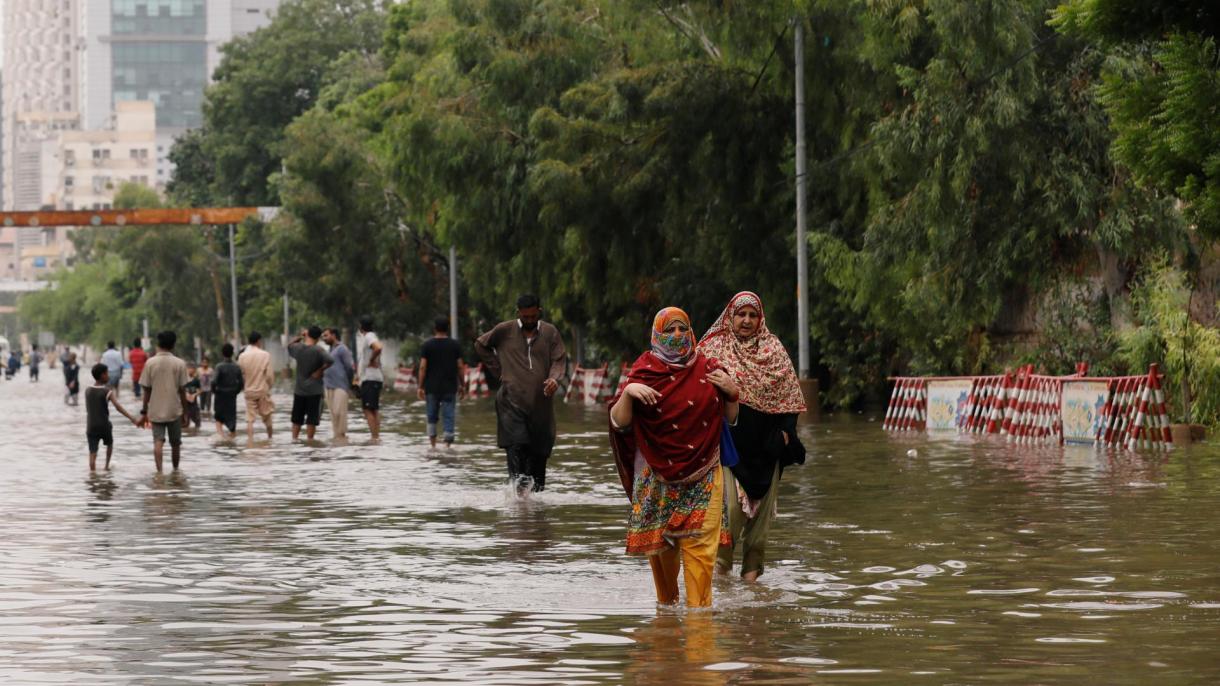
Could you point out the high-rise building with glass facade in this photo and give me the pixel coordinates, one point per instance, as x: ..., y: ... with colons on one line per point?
x: 163, y: 51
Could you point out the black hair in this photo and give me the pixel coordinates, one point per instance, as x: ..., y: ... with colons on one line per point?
x: 366, y: 323
x: 137, y: 342
x: 442, y: 324
x: 255, y: 337
x: 334, y: 330
x: 97, y: 371
x: 227, y: 350
x: 315, y: 332
x: 528, y: 300
x: 109, y: 344
x: 166, y: 340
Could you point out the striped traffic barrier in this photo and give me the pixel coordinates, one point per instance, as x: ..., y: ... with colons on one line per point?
x: 476, y: 382
x: 405, y: 382
x: 1028, y: 408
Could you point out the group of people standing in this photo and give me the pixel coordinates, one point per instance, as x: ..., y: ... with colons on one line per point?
x: 173, y: 392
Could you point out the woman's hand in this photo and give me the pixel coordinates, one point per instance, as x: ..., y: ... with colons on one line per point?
x: 642, y: 392
x: 721, y: 379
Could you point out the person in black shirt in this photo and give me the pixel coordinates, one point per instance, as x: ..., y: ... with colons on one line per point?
x: 97, y: 415
x: 440, y: 368
x: 227, y: 382
x: 71, y: 379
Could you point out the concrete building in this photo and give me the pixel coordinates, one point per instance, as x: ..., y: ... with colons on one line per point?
x: 93, y: 163
x: 41, y: 94
x: 163, y: 51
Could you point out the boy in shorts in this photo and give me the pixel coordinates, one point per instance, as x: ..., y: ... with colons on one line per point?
x: 97, y: 423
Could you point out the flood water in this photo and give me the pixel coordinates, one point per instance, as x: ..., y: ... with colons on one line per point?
x: 969, y: 562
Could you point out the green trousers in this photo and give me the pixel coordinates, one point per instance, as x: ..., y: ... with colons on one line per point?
x: 750, y: 534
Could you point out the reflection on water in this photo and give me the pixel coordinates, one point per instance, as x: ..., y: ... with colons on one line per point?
x: 968, y: 562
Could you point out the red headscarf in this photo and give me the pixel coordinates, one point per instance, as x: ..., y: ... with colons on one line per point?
x: 759, y: 363
x: 680, y: 435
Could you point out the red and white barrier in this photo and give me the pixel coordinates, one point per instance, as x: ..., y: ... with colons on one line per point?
x: 623, y: 370
x: 476, y: 382
x: 908, y: 406
x: 405, y: 381
x: 1028, y: 408
x: 588, y: 386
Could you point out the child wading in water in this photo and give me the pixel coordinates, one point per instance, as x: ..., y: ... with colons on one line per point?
x: 193, y: 391
x: 97, y: 423
x: 71, y: 379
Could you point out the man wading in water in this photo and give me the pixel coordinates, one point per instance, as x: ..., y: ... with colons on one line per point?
x: 529, y: 358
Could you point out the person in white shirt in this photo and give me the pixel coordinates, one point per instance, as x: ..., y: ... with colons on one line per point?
x: 113, y: 359
x: 369, y: 376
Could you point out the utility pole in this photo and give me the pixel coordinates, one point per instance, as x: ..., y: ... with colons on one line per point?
x: 453, y: 292
x: 802, y: 266
x: 233, y: 285
x: 144, y: 306
x: 285, y: 319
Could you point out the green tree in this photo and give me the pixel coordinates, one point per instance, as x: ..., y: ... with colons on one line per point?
x: 265, y: 80
x: 1160, y: 85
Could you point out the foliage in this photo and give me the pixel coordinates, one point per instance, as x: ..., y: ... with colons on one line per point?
x: 1188, y: 352
x: 1160, y: 86
x: 89, y: 303
x: 264, y: 81
x: 616, y: 156
x: 122, y: 275
x: 1074, y: 326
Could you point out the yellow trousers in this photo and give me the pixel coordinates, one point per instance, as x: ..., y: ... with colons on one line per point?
x: 695, y: 556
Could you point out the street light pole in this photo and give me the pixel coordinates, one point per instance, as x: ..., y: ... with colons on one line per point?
x: 453, y: 295
x: 233, y: 284
x: 802, y: 266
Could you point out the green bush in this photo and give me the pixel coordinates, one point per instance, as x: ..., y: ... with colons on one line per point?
x: 1188, y: 352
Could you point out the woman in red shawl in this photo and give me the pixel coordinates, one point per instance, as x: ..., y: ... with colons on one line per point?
x: 765, y: 432
x: 665, y: 430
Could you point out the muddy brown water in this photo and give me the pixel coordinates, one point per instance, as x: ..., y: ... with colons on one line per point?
x: 970, y: 562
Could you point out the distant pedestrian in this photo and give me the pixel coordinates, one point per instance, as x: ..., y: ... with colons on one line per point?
x: 312, y: 362
x: 337, y: 381
x: 205, y: 385
x: 14, y: 365
x: 165, y: 404
x: 370, y: 376
x: 255, y: 366
x: 71, y: 380
x: 98, y: 428
x: 113, y: 359
x: 528, y: 356
x: 226, y: 384
x: 35, y: 360
x: 440, y: 367
x: 138, y: 358
x: 193, y: 415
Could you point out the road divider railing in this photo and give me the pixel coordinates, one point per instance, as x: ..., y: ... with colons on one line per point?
x: 1037, y: 409
x: 589, y: 386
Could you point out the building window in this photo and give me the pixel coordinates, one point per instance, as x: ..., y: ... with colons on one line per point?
x: 173, y: 74
x: 68, y: 181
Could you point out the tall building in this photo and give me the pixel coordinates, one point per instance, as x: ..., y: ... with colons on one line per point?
x: 163, y: 51
x: 68, y: 64
x: 41, y: 94
x: 94, y: 163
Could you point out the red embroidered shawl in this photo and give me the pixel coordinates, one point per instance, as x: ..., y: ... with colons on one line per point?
x: 680, y: 435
